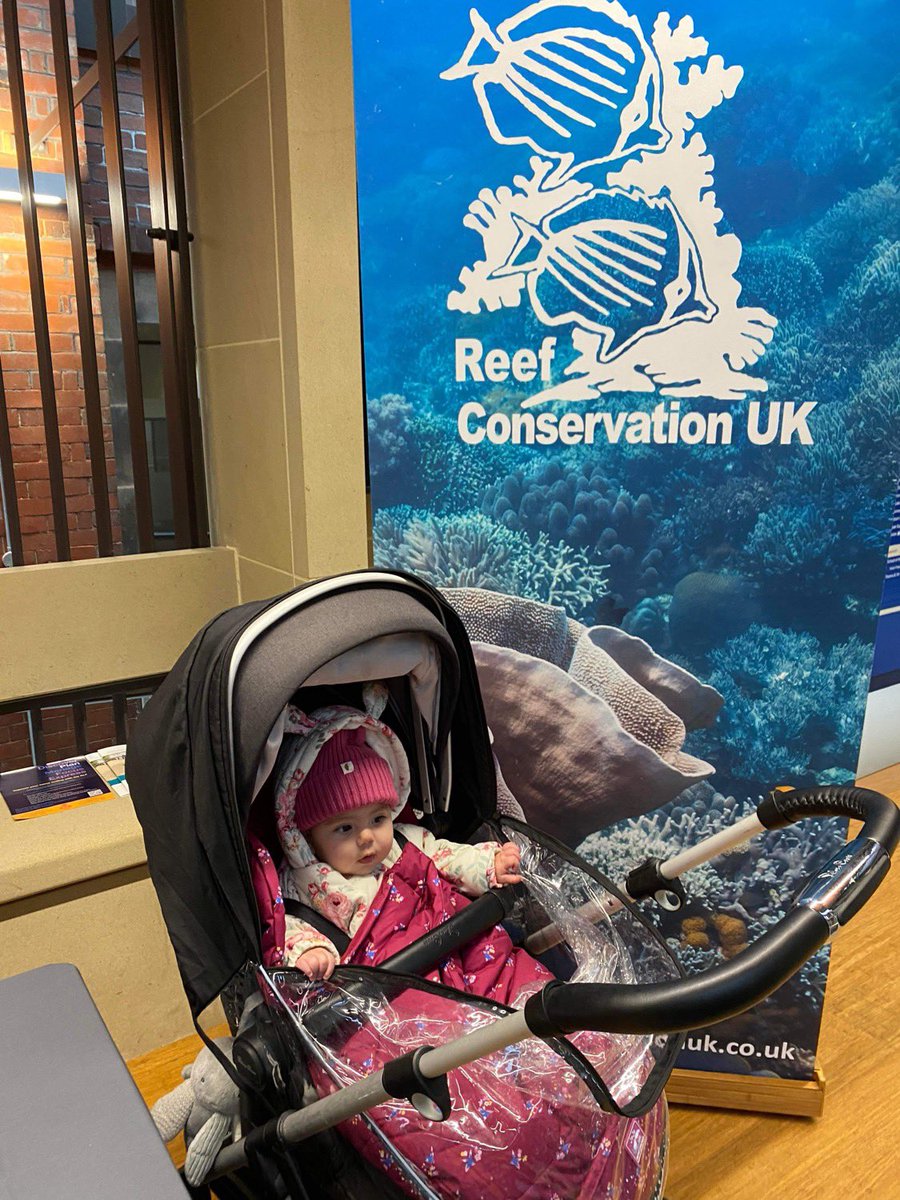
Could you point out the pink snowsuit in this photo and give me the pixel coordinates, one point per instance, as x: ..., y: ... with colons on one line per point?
x: 523, y: 1125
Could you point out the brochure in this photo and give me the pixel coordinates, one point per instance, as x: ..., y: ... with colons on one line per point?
x: 52, y: 787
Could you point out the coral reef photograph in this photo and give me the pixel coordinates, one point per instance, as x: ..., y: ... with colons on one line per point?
x: 664, y: 629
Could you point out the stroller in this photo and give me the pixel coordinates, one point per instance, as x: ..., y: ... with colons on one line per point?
x: 382, y: 1082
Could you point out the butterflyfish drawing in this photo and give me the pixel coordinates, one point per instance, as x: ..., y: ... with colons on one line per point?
x: 566, y: 77
x: 613, y: 263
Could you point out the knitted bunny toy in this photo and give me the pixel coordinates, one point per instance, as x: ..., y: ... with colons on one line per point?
x: 205, y: 1106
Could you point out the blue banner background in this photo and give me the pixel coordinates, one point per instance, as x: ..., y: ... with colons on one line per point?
x: 756, y: 568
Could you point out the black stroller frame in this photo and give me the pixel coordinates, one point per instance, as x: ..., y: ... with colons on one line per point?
x: 200, y: 756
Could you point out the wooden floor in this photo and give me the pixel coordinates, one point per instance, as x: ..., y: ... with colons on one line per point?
x: 853, y: 1151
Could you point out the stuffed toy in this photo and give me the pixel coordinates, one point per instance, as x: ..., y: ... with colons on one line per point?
x: 205, y: 1106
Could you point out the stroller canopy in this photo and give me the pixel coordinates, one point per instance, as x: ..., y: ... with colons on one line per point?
x: 194, y: 757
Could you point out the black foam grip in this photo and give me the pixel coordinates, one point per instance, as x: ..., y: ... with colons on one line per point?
x: 880, y: 816
x: 682, y: 1004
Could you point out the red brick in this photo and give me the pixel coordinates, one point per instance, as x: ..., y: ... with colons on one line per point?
x: 16, y: 322
x: 56, y: 720
x: 14, y: 261
x: 15, y: 762
x: 34, y: 524
x: 14, y: 302
x: 28, y: 456
x: 17, y: 381
x: 26, y: 436
x: 132, y: 120
x: 58, y: 266
x: 80, y: 504
x: 28, y: 399
x: 33, y: 18
x: 38, y: 41
x: 59, y: 745
x: 36, y: 508
x: 38, y: 62
x: 19, y: 360
x: 28, y: 416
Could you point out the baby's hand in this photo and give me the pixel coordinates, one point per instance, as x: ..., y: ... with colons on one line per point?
x: 506, y: 865
x: 316, y: 963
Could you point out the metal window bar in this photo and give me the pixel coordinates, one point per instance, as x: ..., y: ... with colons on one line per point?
x: 36, y: 276
x: 8, y: 497
x: 119, y: 716
x: 88, y: 81
x: 118, y: 695
x: 167, y: 237
x: 36, y: 728
x: 180, y: 256
x: 171, y: 260
x: 118, y: 209
x: 79, y: 716
x: 83, y: 299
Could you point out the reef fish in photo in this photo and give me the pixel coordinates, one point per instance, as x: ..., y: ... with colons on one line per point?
x: 568, y: 78
x: 612, y: 262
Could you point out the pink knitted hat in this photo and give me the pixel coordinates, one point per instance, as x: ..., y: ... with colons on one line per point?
x: 347, y: 774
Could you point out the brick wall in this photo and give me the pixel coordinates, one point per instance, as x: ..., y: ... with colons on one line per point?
x: 134, y: 157
x: 59, y: 732
x: 17, y: 339
x: 17, y: 342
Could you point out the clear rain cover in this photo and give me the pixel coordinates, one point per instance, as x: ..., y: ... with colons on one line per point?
x: 583, y: 930
x: 525, y: 1124
x: 538, y: 1120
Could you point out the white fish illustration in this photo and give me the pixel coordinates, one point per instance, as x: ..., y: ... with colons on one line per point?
x: 568, y: 78
x: 614, y: 263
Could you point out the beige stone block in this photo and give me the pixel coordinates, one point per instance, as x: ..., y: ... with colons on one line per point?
x: 247, y: 466
x: 232, y: 217
x: 113, y: 931
x: 316, y: 207
x: 55, y: 850
x: 110, y: 618
x: 223, y: 48
x: 259, y: 582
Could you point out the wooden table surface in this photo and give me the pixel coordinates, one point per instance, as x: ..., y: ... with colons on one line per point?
x: 854, y: 1149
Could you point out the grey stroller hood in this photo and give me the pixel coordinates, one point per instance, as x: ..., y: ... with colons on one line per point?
x: 194, y: 756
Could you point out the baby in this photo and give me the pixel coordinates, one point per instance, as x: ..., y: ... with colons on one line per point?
x: 344, y: 807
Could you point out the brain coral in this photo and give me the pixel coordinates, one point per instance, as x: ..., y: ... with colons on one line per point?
x: 848, y: 231
x: 868, y: 309
x: 588, y: 724
x: 589, y: 512
x: 708, y: 607
x: 781, y: 278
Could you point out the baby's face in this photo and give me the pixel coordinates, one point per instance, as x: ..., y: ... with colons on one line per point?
x: 354, y: 843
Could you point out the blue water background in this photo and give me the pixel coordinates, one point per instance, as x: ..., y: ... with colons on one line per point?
x: 759, y: 569
x: 423, y: 152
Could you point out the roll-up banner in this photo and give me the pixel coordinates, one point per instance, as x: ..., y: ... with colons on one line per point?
x: 631, y: 308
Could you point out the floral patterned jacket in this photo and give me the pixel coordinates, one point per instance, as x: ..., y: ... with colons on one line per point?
x: 344, y: 899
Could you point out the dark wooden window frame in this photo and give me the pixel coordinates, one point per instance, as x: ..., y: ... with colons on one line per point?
x: 171, y: 239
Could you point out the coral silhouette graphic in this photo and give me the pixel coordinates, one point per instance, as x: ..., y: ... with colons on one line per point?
x: 614, y: 232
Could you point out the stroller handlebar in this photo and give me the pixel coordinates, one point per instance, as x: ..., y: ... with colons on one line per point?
x: 828, y: 901
x: 880, y: 816
x: 681, y: 1004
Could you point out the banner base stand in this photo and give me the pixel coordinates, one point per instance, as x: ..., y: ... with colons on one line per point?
x: 749, y: 1093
